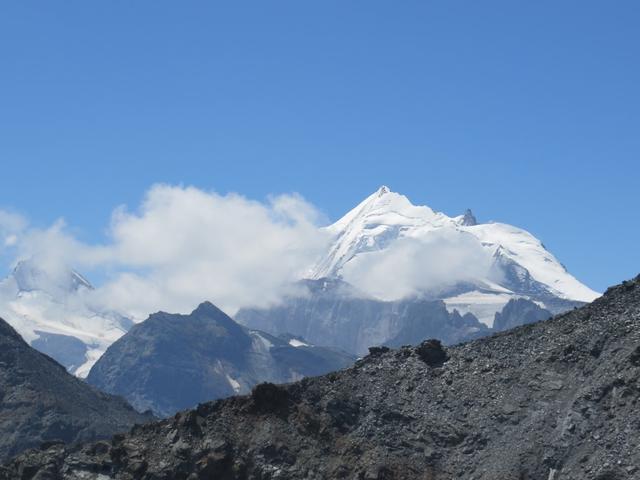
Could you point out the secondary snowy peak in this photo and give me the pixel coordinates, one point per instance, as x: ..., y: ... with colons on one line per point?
x: 522, y: 263
x: 52, y: 310
x: 30, y: 276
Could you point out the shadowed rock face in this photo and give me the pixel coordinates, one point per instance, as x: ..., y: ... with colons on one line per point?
x: 335, y: 314
x: 519, y: 312
x: 556, y: 399
x: 68, y: 351
x: 40, y: 401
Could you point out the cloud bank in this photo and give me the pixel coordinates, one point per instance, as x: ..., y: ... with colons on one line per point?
x: 182, y: 246
x: 409, y: 266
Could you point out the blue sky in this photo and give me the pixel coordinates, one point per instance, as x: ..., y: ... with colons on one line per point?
x: 527, y: 112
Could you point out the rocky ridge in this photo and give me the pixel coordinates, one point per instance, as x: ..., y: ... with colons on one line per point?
x: 40, y: 402
x: 554, y: 400
x: 172, y: 362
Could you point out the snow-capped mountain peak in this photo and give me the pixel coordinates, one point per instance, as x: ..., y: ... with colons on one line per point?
x: 522, y: 265
x: 30, y: 276
x: 383, y: 190
x: 379, y: 219
x: 385, y: 207
x: 47, y: 305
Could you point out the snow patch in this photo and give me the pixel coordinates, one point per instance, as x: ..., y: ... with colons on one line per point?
x: 261, y: 343
x: 483, y: 306
x: 234, y: 384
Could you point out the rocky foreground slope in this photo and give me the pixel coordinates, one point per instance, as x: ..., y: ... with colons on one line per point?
x: 552, y: 400
x: 40, y: 401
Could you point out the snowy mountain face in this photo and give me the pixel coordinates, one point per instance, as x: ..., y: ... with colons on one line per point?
x: 53, y: 316
x: 473, y: 267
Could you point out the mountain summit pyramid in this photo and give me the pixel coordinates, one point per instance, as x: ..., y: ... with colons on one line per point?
x: 518, y: 264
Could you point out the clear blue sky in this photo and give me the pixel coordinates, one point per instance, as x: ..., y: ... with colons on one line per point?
x: 527, y: 112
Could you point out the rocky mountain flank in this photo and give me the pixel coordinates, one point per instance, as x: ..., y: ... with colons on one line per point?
x: 41, y: 402
x: 553, y: 400
x: 518, y: 312
x: 172, y: 362
x: 335, y: 313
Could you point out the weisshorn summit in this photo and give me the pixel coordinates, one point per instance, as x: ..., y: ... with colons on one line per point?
x: 396, y: 273
x: 519, y: 265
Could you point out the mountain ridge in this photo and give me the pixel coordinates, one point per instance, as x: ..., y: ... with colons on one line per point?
x: 171, y: 362
x: 40, y: 401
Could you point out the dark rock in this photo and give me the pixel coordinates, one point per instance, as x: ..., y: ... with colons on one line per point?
x: 519, y: 312
x: 432, y: 353
x: 268, y: 397
x: 376, y: 351
x: 469, y: 219
x: 41, y: 405
x: 69, y: 351
x: 333, y: 312
x: 634, y: 358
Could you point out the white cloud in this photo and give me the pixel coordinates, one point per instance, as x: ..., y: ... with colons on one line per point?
x: 11, y: 225
x: 412, y: 265
x: 183, y: 246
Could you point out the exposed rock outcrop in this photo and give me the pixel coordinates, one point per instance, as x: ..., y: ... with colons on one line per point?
x: 519, y: 312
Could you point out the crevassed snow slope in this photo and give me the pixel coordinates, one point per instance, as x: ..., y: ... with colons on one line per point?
x: 529, y: 252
